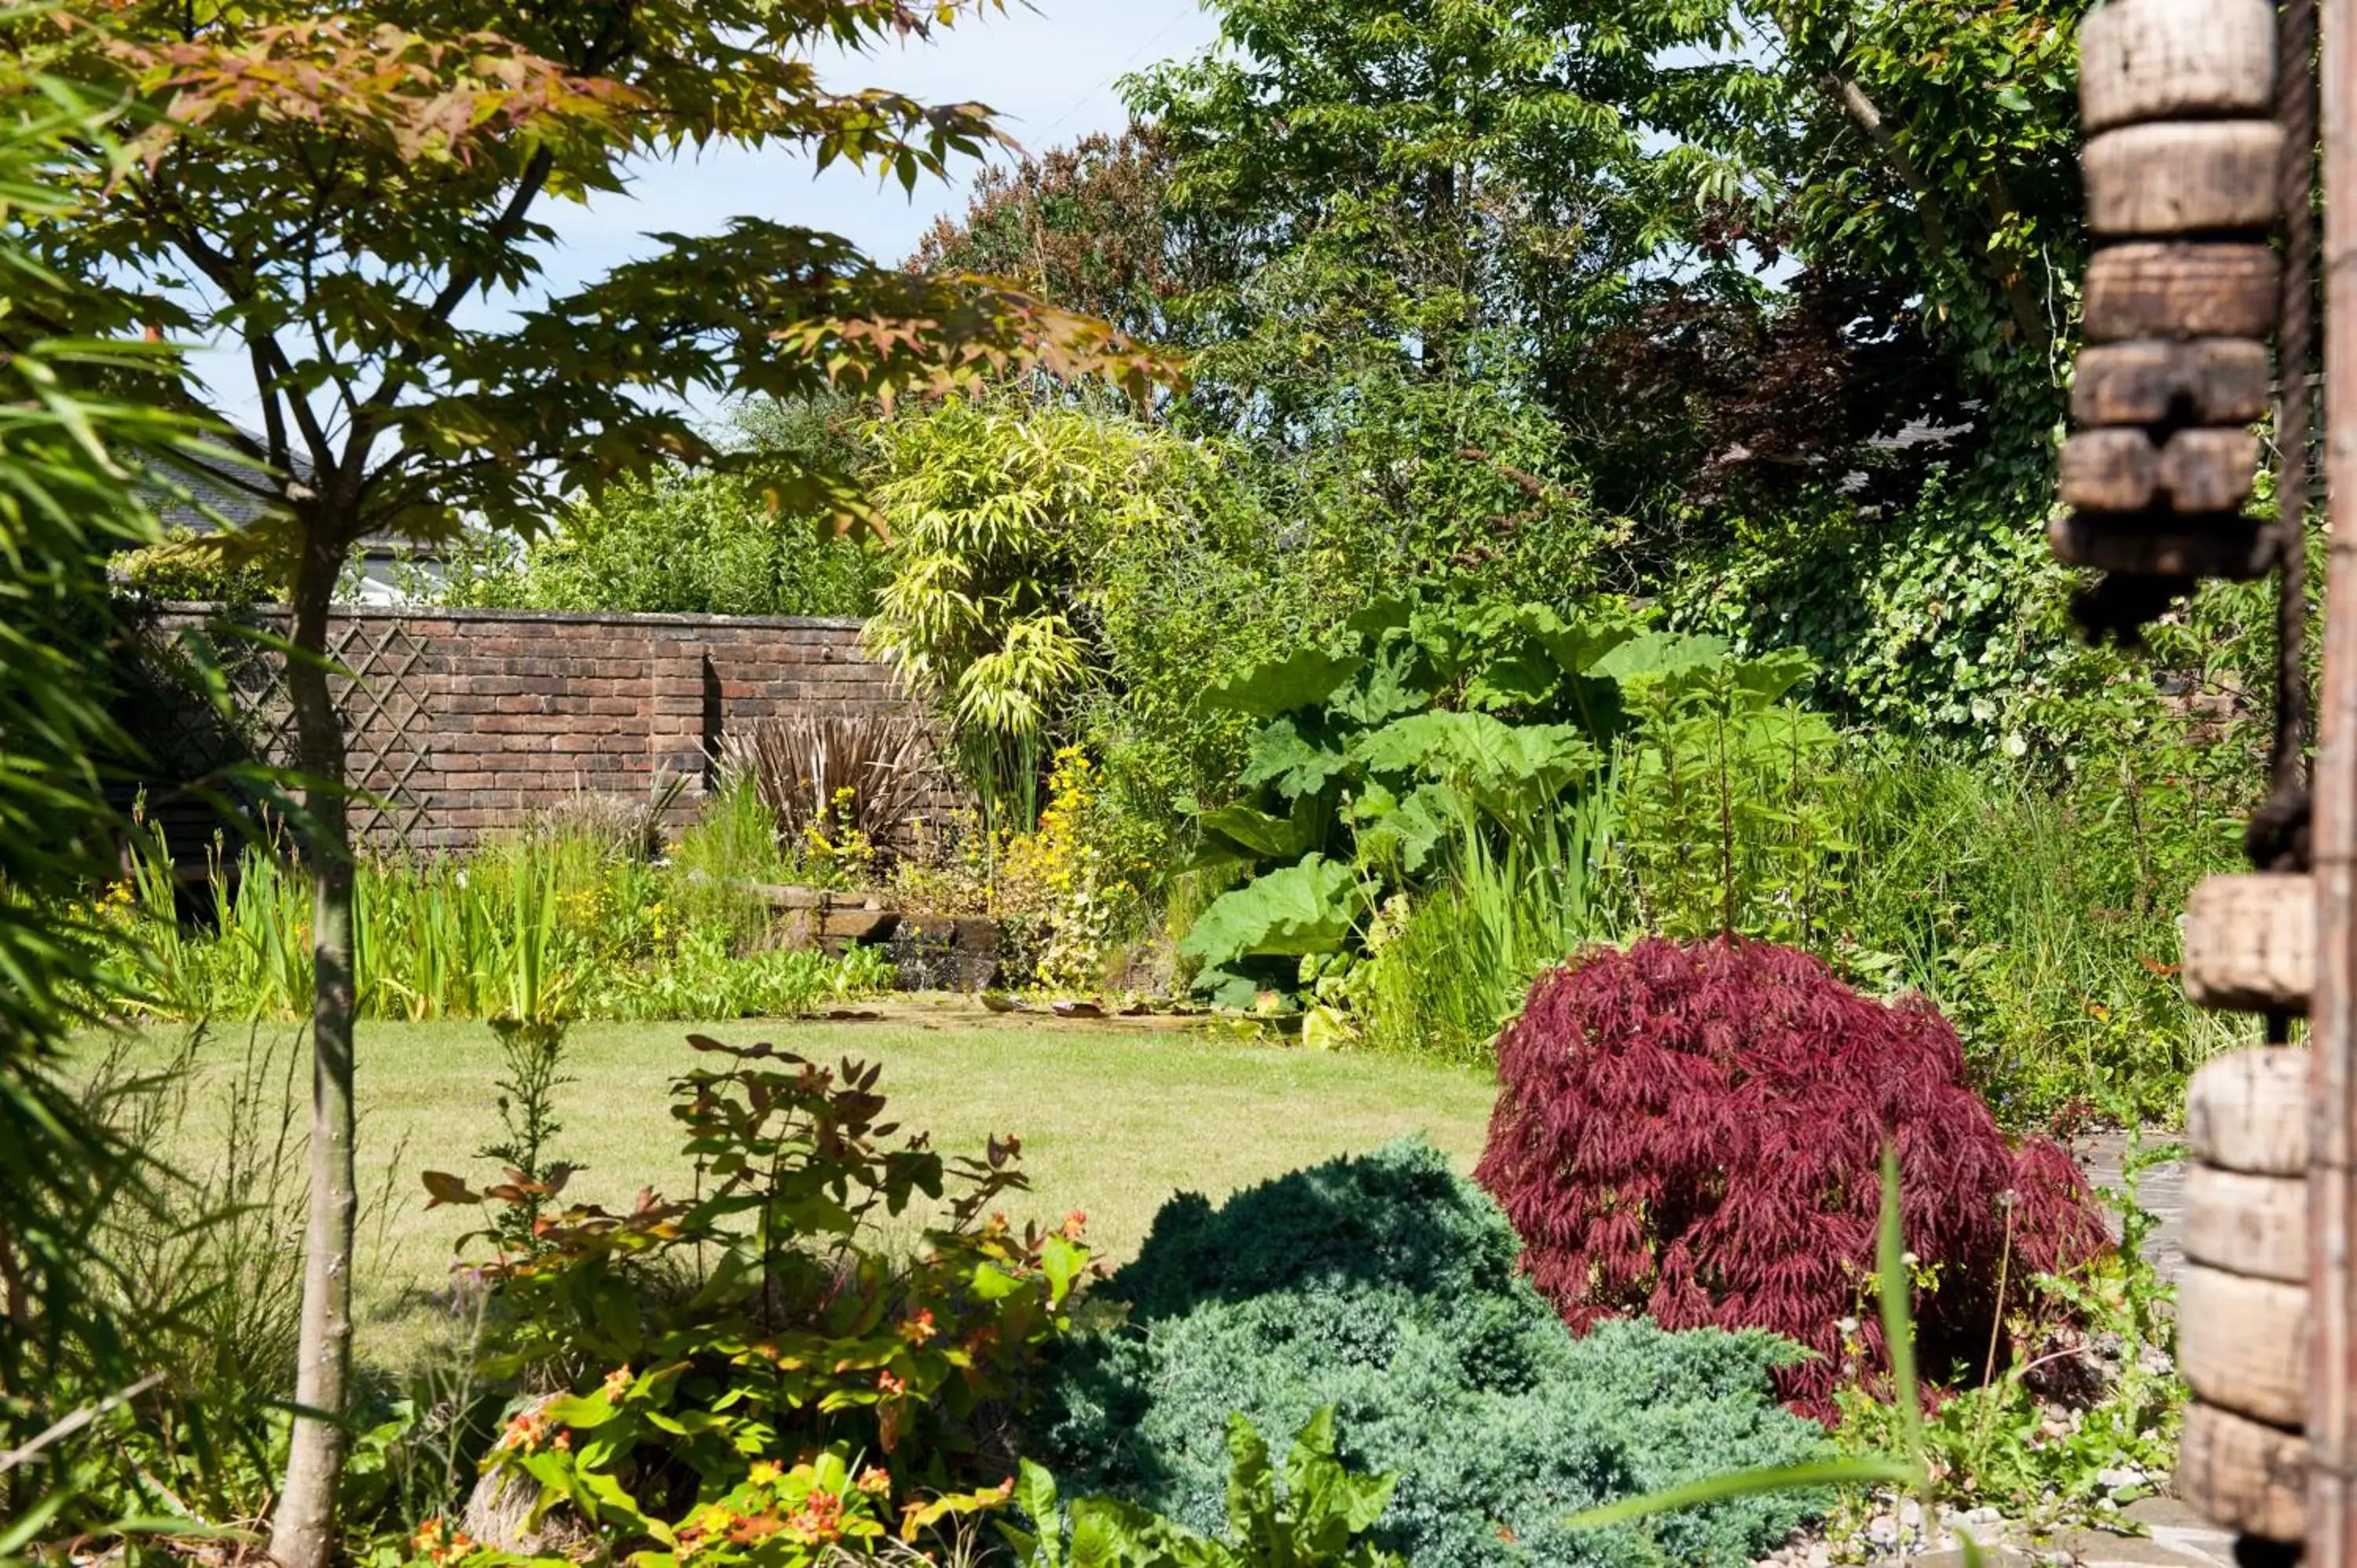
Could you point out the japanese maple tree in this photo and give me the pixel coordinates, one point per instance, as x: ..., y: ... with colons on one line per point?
x: 353, y: 196
x: 1694, y: 1133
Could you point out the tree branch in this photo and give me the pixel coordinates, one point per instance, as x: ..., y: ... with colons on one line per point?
x: 1861, y: 110
x: 461, y: 283
x: 1929, y: 211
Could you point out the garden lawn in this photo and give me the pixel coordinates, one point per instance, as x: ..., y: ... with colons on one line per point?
x: 1113, y: 1119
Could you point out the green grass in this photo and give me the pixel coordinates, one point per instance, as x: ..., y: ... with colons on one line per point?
x: 1113, y: 1121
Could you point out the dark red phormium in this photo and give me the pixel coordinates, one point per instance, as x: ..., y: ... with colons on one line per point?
x: 1694, y: 1133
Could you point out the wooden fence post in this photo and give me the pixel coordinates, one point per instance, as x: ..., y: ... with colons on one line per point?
x: 2332, y: 1140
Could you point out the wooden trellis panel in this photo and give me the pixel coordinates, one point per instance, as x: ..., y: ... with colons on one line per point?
x: 388, y: 726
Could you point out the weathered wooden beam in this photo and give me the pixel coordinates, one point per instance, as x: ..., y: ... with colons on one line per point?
x: 2209, y: 381
x: 2247, y: 1112
x: 2180, y: 289
x: 2195, y: 472
x: 2159, y: 60
x: 2242, y: 1344
x: 2162, y: 544
x: 2251, y: 1226
x: 2243, y: 1473
x: 2250, y: 943
x: 2182, y: 176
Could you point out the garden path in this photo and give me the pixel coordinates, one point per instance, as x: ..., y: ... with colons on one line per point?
x: 2167, y: 1533
x: 2159, y: 1187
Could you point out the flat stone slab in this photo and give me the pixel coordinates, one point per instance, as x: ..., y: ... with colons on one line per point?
x: 2176, y: 1527
x: 2160, y: 1188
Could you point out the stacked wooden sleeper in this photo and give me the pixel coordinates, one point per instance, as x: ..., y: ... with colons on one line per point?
x: 2180, y: 174
x: 2242, y: 1335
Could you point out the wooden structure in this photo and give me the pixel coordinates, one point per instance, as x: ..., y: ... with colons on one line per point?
x: 2242, y: 1311
x: 2200, y: 150
x: 2177, y: 98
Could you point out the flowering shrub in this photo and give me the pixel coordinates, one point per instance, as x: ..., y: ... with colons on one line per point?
x: 730, y: 1361
x: 1066, y: 879
x: 1695, y: 1134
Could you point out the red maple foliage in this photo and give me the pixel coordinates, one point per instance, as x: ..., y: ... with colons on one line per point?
x: 1695, y: 1133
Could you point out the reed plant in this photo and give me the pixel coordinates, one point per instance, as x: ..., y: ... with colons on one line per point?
x: 555, y: 921
x: 1522, y: 893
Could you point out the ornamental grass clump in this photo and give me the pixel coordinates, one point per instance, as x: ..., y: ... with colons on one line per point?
x: 1693, y: 1132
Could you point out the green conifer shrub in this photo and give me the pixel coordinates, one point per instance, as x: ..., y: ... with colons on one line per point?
x: 1386, y: 1287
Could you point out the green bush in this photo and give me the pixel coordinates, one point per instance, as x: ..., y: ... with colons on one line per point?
x: 1386, y: 1287
x: 818, y: 1383
x: 1319, y: 1522
x: 752, y: 539
x: 2041, y: 920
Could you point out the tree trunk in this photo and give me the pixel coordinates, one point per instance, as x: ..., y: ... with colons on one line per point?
x: 304, y: 1531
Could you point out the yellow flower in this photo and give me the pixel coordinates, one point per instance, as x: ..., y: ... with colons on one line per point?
x: 766, y: 1473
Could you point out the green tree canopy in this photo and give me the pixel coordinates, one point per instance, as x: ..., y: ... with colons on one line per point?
x: 349, y: 196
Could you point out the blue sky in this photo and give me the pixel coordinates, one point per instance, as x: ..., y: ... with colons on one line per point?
x: 1048, y: 68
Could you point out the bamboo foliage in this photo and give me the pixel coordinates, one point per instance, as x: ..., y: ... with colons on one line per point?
x: 994, y: 511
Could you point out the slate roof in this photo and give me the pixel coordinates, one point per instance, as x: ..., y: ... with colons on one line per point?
x: 222, y: 488
x: 219, y: 487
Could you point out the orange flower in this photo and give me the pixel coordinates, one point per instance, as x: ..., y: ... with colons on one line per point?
x: 819, y: 1518
x: 441, y: 1541
x: 1074, y: 1223
x: 891, y: 1384
x: 875, y: 1480
x: 618, y: 1382
x: 920, y: 1329
x: 526, y: 1431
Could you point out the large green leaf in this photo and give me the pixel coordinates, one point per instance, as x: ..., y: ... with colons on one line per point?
x: 1308, y: 908
x: 1654, y: 655
x: 1328, y: 1504
x: 1401, y: 679
x: 1402, y: 832
x: 1769, y: 677
x: 1477, y: 747
x: 1257, y: 833
x: 1298, y: 764
x: 1307, y: 677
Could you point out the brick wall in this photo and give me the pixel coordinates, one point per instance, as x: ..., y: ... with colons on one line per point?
x: 468, y: 720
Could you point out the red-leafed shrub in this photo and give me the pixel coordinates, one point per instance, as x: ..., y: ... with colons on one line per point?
x: 1695, y: 1133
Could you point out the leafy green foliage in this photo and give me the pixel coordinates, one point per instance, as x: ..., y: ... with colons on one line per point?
x: 2043, y: 921
x: 558, y: 924
x: 803, y: 1333
x: 693, y: 542
x: 1439, y: 742
x: 1386, y: 1288
x: 995, y: 513
x: 80, y: 417
x: 1723, y: 828
x: 1317, y: 1523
